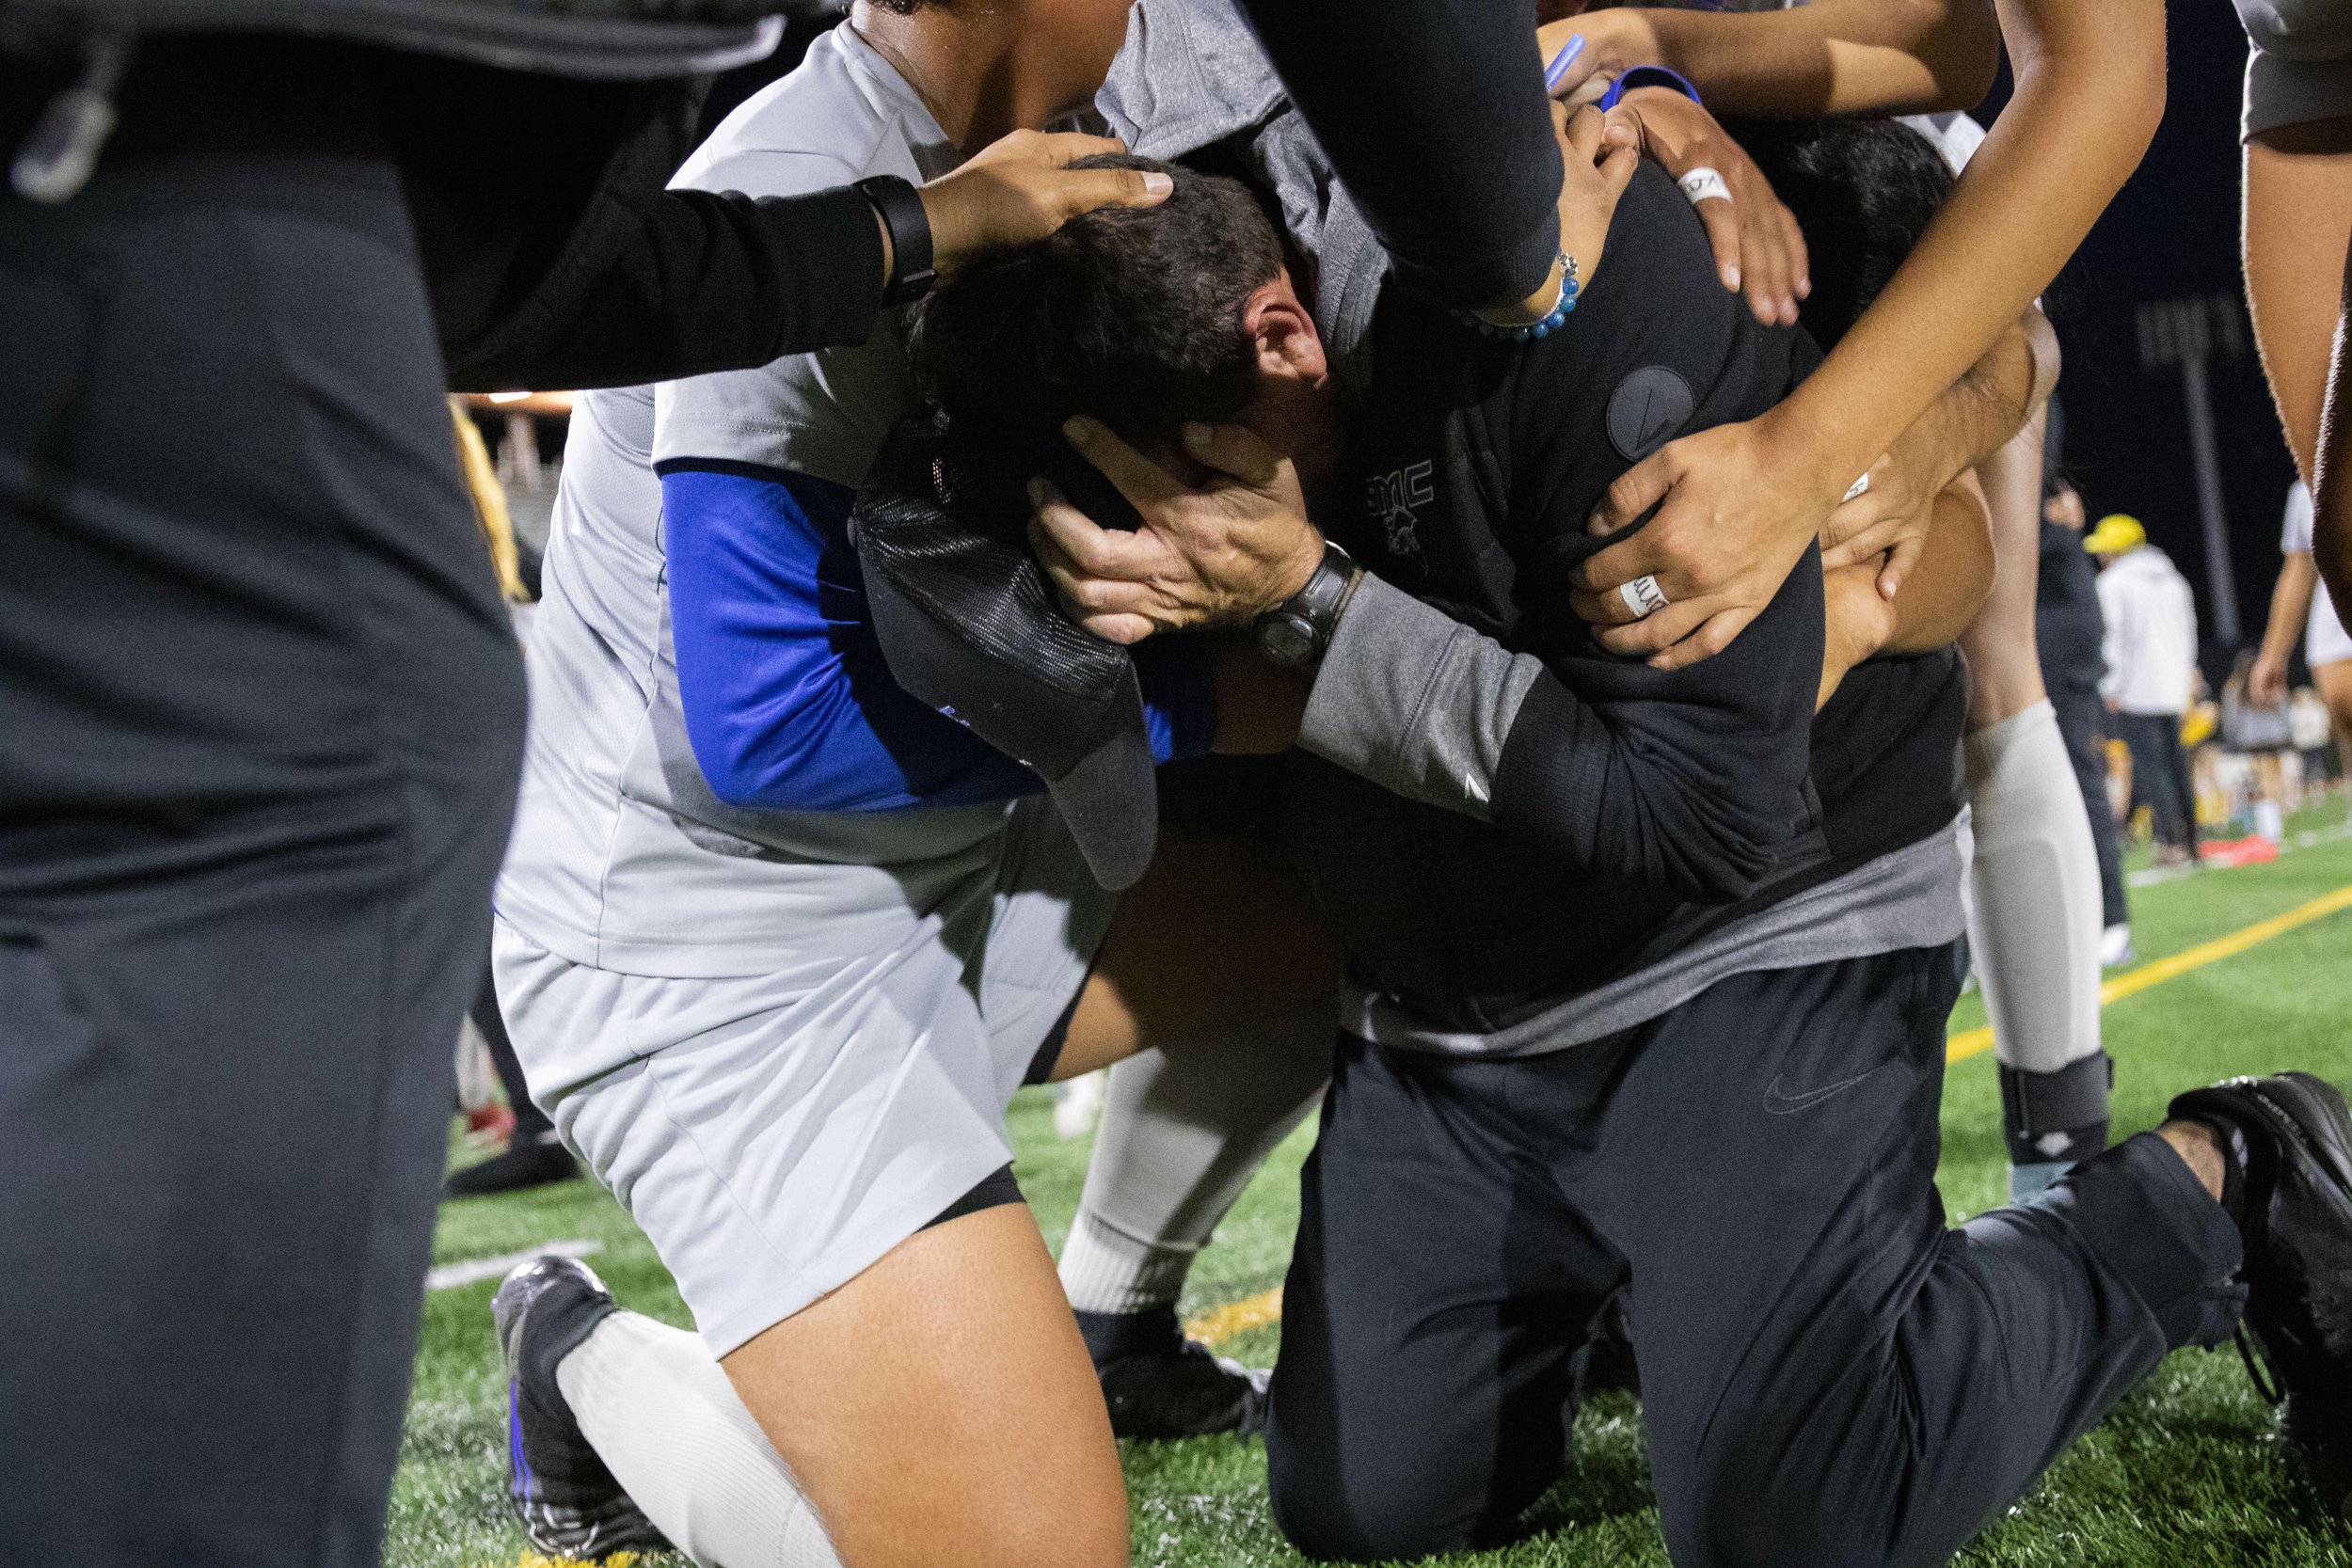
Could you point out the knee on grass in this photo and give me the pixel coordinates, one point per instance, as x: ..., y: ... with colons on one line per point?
x: 1333, y: 1507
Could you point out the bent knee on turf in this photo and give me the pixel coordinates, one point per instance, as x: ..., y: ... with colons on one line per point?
x: 1361, y: 1507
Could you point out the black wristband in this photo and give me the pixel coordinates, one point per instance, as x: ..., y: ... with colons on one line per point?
x: 1296, y: 632
x: 910, y: 226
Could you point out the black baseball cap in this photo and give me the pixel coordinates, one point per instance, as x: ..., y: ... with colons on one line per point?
x: 969, y: 624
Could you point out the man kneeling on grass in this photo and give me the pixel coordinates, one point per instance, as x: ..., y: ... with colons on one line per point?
x: 1650, y: 966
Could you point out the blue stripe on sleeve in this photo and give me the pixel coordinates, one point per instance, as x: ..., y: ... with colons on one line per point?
x: 790, y: 705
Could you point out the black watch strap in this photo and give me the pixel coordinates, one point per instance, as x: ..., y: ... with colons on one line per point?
x: 1297, y: 632
x: 902, y: 208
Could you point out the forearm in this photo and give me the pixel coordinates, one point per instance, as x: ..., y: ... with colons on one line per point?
x: 1942, y: 595
x: 1435, y: 118
x: 1686, y: 779
x: 2090, y: 79
x: 1982, y: 412
x: 1837, y: 56
x: 1938, y: 600
x: 695, y: 281
x: 2331, y: 486
x: 2289, y: 604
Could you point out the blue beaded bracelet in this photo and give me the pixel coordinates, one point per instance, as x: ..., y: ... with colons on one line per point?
x: 1569, y: 289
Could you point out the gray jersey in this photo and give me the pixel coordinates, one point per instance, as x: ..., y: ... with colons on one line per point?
x: 622, y: 857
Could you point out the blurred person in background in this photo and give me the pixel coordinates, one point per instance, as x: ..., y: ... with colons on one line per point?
x: 2300, y: 604
x: 2262, y: 733
x: 2151, y: 679
x: 2068, y: 639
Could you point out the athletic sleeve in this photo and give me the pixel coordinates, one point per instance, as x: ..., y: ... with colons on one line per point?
x: 1689, y: 778
x: 1433, y: 113
x: 789, y: 703
x: 685, y: 282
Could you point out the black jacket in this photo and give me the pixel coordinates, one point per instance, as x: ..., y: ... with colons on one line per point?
x: 1630, y: 809
x: 2068, y: 629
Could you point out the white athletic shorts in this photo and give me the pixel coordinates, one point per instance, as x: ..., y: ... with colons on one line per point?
x: 776, y: 1134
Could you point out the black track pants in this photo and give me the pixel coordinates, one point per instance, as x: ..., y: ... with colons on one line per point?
x: 2082, y: 723
x: 1829, y: 1376
x: 2160, y: 774
x: 259, y: 726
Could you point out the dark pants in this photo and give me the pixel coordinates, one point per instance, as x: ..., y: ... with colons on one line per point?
x: 2160, y: 778
x: 2082, y: 722
x: 260, y: 727
x: 1829, y: 1376
x: 531, y: 1124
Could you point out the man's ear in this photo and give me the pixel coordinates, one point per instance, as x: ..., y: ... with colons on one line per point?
x: 1284, y: 329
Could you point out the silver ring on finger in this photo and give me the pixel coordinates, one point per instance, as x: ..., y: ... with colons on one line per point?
x: 1642, y: 596
x: 1704, y: 185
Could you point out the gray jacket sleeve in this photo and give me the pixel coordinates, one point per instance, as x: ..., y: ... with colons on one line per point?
x: 1690, y: 778
x: 1416, y: 702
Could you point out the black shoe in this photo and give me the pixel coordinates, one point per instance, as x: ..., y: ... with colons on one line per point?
x: 569, y: 1503
x: 1158, y: 1383
x: 2290, y: 1159
x: 533, y: 1162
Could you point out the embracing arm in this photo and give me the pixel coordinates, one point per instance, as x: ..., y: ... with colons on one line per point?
x: 1829, y: 58
x: 2090, y: 79
x: 1687, y: 779
x: 628, y: 286
x: 1976, y: 416
x: 1936, y: 602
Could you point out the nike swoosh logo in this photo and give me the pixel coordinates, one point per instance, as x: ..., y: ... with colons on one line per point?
x: 1780, y: 1104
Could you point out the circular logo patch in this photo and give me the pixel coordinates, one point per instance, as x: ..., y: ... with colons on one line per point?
x: 1647, y: 410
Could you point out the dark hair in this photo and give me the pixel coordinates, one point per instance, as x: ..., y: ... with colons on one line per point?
x: 1133, y: 315
x: 1863, y: 190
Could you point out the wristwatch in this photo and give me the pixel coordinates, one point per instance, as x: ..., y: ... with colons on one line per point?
x: 1297, y: 632
x: 901, y: 208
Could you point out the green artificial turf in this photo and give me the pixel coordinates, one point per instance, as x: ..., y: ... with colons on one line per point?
x: 2184, y: 1473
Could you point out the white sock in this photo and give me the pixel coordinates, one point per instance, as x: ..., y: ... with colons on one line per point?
x: 2270, y: 821
x: 2034, y: 918
x: 667, y: 1423
x: 1182, y: 1133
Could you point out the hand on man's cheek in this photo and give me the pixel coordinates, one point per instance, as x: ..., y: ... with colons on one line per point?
x: 1215, y: 553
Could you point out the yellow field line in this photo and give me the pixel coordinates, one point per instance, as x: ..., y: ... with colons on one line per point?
x: 1220, y: 1324
x: 1971, y: 1042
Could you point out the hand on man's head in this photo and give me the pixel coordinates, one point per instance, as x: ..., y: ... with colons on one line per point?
x: 1219, y: 555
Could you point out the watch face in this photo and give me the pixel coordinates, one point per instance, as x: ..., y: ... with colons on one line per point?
x: 1287, y: 639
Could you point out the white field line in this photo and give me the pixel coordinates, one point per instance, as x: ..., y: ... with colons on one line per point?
x: 448, y: 1276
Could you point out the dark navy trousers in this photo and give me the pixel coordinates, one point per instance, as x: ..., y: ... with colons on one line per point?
x: 1830, y: 1376
x: 261, y: 721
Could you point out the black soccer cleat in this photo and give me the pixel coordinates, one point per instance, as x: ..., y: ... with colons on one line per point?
x: 2293, y: 1167
x: 1158, y: 1383
x: 569, y: 1504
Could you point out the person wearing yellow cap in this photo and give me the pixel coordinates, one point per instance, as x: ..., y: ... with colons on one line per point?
x: 2151, y: 652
